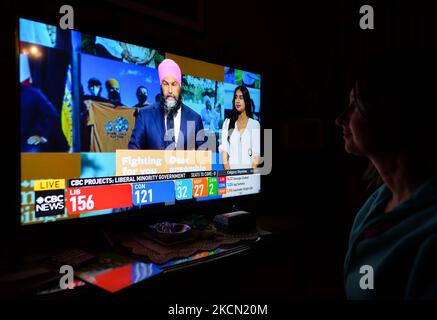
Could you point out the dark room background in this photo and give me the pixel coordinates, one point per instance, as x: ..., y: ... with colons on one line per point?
x: 306, y: 52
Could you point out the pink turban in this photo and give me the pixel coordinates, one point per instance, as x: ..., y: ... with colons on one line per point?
x: 169, y: 68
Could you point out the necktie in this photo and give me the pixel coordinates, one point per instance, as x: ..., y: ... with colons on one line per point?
x: 170, y: 126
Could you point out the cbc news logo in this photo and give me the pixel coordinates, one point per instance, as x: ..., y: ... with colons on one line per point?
x: 49, y: 203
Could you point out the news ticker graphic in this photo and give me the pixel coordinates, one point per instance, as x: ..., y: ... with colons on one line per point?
x: 49, y: 203
x: 77, y: 196
x: 49, y: 197
x: 78, y: 200
x: 139, y: 162
x: 237, y: 172
x: 81, y: 200
x: 88, y: 182
x: 153, y: 192
x: 52, y: 184
x: 115, y: 196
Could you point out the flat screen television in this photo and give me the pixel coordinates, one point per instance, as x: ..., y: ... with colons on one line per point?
x: 109, y: 127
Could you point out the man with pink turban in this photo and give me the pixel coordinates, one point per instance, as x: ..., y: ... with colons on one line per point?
x: 170, y: 124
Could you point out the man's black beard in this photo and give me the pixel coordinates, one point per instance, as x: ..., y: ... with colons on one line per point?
x: 170, y: 111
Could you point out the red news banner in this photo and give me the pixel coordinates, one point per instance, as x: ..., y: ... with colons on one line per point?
x: 85, y: 199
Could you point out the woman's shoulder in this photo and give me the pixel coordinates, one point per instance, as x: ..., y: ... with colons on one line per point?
x: 226, y: 122
x: 368, y: 207
x: 254, y: 123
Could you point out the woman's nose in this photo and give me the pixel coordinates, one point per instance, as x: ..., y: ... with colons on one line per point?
x: 341, y: 119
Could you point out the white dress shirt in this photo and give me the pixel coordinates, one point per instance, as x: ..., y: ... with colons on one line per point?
x: 241, y: 148
x: 176, y: 123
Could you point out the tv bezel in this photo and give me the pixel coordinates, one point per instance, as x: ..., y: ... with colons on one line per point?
x: 144, y: 215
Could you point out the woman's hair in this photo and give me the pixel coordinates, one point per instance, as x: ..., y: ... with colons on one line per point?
x: 396, y: 94
x: 372, y: 176
x: 234, y: 113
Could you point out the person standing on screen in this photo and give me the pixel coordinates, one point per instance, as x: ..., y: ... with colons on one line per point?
x: 158, y: 98
x: 40, y: 127
x: 142, y: 95
x: 109, y: 124
x: 170, y: 124
x: 95, y: 91
x: 207, y: 112
x: 389, y: 120
x: 40, y: 123
x: 215, y: 118
x: 240, y: 140
x: 113, y: 88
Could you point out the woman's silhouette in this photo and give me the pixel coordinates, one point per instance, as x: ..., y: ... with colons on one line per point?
x: 390, y: 120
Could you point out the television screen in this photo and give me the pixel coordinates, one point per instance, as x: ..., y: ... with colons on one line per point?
x: 108, y: 126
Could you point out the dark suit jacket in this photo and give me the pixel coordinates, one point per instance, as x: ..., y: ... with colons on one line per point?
x: 149, y: 130
x: 40, y: 117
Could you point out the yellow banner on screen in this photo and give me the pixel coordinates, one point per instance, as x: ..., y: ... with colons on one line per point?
x: 140, y: 162
x: 50, y: 184
x: 199, y: 69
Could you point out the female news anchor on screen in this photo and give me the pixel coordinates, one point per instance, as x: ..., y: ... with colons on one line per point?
x: 240, y: 140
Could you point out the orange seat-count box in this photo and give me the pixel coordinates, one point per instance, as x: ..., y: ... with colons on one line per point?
x: 221, y: 191
x: 200, y: 187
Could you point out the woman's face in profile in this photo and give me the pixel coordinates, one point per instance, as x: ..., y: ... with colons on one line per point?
x: 239, y: 101
x: 358, y: 135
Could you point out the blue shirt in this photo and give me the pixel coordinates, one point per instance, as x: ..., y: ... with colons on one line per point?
x: 400, y: 246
